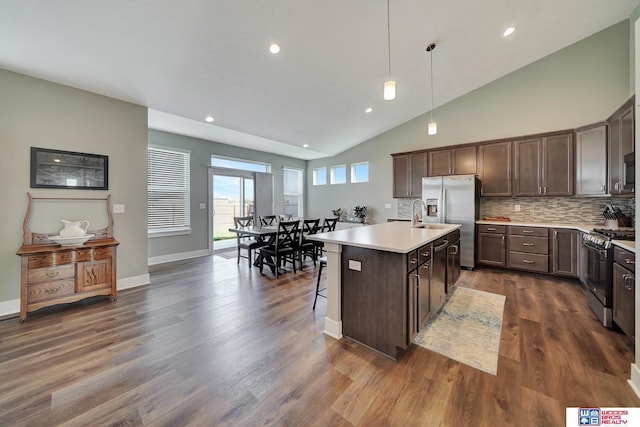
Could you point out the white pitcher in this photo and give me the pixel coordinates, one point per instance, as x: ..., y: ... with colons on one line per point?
x: 74, y: 228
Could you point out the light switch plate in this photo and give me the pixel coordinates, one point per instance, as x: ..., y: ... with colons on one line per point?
x: 118, y: 208
x: 387, y: 205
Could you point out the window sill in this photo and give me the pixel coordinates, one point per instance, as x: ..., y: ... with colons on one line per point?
x: 182, y: 231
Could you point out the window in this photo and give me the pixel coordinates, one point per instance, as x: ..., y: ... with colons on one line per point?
x: 320, y: 176
x: 246, y: 165
x: 360, y: 172
x: 293, y: 192
x: 168, y: 191
x: 339, y: 174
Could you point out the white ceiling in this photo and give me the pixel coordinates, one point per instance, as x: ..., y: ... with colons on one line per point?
x: 191, y: 58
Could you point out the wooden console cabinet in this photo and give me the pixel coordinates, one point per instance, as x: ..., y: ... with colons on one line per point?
x: 52, y: 274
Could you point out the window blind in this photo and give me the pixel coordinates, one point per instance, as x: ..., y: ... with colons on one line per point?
x: 168, y: 190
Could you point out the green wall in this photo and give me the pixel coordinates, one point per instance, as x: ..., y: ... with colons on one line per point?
x: 580, y: 84
x: 38, y: 113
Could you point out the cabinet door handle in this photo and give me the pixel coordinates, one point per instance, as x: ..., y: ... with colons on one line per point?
x: 629, y: 261
x: 526, y: 261
x: 413, y: 261
x: 602, y: 188
x: 527, y: 244
x: 481, y: 191
x: 426, y: 254
x: 52, y: 273
x: 555, y: 234
x: 527, y: 231
x: 503, y: 237
x: 544, y: 190
x: 539, y: 190
x: 491, y: 229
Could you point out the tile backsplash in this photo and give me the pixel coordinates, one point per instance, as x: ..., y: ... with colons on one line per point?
x: 545, y: 209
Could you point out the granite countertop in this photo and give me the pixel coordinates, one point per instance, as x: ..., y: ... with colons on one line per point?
x: 625, y: 244
x: 397, y: 236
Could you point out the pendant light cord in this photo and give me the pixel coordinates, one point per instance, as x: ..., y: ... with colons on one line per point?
x: 389, y: 38
x: 430, y: 50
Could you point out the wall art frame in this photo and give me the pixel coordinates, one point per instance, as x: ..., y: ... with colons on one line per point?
x: 68, y: 169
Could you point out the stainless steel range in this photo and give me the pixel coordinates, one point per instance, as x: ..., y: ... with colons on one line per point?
x: 599, y: 269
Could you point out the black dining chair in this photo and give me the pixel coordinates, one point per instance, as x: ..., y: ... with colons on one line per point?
x: 268, y: 220
x: 244, y: 242
x: 328, y: 224
x: 283, y: 249
x: 305, y: 247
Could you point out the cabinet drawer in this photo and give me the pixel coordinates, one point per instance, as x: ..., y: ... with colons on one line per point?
x: 91, y: 254
x: 424, y: 254
x: 50, y: 290
x: 625, y: 258
x: 531, y: 262
x: 528, y: 231
x: 532, y: 245
x: 50, y: 259
x: 492, y: 229
x: 40, y: 275
x: 412, y: 260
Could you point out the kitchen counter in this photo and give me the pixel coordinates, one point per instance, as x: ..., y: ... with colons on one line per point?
x: 585, y: 228
x: 397, y: 236
x: 369, y: 285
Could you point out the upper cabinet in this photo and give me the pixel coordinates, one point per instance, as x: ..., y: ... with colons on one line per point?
x: 408, y: 170
x: 544, y: 166
x: 494, y: 169
x: 591, y: 160
x: 454, y: 161
x: 621, y: 143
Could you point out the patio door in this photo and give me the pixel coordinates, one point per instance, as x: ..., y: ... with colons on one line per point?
x: 232, y: 195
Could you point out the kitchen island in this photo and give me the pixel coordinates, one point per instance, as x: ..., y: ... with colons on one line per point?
x: 384, y: 280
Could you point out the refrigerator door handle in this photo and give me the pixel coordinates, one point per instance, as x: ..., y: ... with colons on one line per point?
x: 444, y: 206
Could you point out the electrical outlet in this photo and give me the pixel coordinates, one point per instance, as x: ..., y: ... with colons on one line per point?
x: 517, y: 208
x: 387, y: 205
x: 118, y: 208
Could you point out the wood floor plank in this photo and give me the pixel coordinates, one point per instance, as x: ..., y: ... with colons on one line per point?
x: 210, y: 342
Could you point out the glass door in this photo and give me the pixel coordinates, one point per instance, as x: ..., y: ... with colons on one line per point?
x: 233, y: 195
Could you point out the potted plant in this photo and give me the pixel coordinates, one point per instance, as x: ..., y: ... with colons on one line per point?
x: 360, y: 213
x: 336, y: 212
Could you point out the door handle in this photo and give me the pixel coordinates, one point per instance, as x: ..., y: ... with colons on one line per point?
x: 527, y: 244
x: 526, y: 261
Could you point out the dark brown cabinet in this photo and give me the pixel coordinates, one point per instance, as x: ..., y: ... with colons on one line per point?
x: 408, y: 170
x: 494, y: 169
x: 453, y: 161
x: 565, y: 252
x: 492, y: 248
x: 591, y: 161
x: 544, y: 166
x: 624, y: 290
x: 621, y: 142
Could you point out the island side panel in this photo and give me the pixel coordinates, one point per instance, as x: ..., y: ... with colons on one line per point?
x: 333, y: 319
x: 374, y: 299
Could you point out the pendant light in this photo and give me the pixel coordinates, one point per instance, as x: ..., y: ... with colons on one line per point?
x: 389, y: 92
x: 432, y: 129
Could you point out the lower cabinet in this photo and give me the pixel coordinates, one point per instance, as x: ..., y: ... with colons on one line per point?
x: 624, y: 290
x: 528, y: 248
x: 492, y: 249
x: 565, y: 252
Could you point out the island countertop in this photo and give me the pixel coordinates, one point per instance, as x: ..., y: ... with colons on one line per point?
x: 396, y: 236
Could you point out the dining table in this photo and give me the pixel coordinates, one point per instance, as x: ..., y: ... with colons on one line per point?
x: 264, y: 235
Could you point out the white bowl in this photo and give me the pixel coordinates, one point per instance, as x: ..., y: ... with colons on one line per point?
x: 71, y: 241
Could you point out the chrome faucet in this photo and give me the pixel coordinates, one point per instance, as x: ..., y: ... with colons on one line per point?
x: 414, y: 216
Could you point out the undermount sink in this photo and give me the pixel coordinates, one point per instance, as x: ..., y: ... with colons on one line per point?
x: 431, y: 226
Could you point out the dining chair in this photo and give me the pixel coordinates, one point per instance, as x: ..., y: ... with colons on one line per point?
x: 328, y: 224
x: 305, y: 247
x: 283, y: 248
x: 245, y: 242
x: 268, y: 220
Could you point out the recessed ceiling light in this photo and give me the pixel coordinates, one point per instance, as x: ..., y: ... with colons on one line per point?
x: 274, y: 48
x: 209, y: 119
x: 368, y: 110
x: 509, y: 31
x: 305, y: 145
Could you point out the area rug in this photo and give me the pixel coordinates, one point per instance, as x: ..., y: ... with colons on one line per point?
x: 467, y: 329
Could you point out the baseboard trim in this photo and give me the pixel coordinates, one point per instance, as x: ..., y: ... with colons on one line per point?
x: 634, y: 381
x: 133, y: 282
x: 333, y: 328
x: 161, y: 259
x: 9, y: 309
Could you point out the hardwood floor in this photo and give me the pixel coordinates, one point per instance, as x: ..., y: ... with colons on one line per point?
x: 213, y: 343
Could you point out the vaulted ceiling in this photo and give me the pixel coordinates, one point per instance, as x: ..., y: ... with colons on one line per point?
x: 189, y: 59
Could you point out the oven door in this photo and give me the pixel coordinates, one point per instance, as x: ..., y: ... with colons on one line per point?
x: 599, y: 271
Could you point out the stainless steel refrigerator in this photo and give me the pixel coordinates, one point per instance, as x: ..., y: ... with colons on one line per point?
x: 454, y: 200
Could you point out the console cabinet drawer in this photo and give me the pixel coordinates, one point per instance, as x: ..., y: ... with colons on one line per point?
x: 532, y: 245
x: 531, y: 262
x: 50, y: 290
x: 49, y: 274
